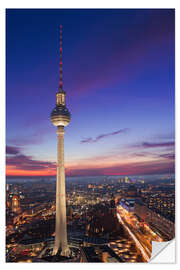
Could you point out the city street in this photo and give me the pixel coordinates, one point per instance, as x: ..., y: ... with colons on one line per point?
x: 140, y: 232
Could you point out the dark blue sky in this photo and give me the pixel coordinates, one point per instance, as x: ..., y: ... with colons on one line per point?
x: 118, y: 72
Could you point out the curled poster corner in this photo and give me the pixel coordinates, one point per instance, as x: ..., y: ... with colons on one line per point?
x: 163, y: 252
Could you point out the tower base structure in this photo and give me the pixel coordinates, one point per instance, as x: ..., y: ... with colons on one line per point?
x: 64, y: 251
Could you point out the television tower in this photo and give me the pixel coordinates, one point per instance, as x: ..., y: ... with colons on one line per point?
x: 60, y: 117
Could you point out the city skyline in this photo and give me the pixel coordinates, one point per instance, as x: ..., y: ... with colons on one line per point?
x: 119, y: 77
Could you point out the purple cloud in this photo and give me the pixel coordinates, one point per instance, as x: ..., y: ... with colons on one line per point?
x: 136, y: 168
x: 102, y: 136
x: 12, y: 150
x: 154, y: 144
x: 21, y: 161
x: 168, y: 156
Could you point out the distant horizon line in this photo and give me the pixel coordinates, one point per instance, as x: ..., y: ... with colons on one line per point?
x: 52, y: 176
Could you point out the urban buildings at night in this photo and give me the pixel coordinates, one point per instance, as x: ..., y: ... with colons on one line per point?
x: 93, y: 224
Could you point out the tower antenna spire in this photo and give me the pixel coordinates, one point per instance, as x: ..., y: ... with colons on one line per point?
x: 60, y: 62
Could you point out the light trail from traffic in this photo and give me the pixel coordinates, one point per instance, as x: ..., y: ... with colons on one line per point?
x: 138, y: 244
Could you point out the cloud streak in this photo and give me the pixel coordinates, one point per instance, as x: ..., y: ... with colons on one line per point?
x: 105, y: 135
x: 133, y: 168
x: 15, y: 159
x: 108, y: 164
x: 12, y: 150
x: 168, y: 156
x: 146, y: 145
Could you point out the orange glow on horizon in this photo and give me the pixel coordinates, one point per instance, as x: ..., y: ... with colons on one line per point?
x: 16, y: 172
x: 89, y: 169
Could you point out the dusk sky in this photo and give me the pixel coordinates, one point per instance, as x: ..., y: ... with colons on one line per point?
x: 118, y: 74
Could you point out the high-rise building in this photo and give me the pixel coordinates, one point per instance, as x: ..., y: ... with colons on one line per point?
x: 60, y: 117
x: 7, y: 187
x: 15, y: 204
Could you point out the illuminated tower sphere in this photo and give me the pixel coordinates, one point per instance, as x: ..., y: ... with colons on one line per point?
x: 60, y: 117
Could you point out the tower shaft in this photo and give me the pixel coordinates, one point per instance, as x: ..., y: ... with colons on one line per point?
x: 61, y: 231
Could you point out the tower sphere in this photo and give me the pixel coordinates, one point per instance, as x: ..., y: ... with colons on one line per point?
x: 60, y: 116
